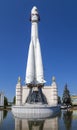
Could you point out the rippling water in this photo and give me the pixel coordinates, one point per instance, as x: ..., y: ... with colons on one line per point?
x: 66, y: 120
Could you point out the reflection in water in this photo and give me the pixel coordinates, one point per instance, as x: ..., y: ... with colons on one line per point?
x: 74, y: 115
x: 67, y: 117
x: 5, y: 114
x: 23, y: 124
x: 36, y: 125
x: 67, y: 121
x: 1, y: 116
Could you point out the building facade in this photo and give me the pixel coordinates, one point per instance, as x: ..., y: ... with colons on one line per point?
x: 49, y: 124
x: 50, y: 92
x: 74, y: 99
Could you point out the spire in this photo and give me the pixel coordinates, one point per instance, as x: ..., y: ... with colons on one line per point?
x: 19, y: 80
x: 53, y: 79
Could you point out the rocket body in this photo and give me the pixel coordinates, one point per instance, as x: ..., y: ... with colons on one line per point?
x: 34, y: 69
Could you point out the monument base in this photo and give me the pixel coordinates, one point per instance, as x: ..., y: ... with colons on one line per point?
x: 35, y: 111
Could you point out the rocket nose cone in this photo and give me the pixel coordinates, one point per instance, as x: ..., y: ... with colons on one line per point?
x: 34, y: 10
x: 34, y: 15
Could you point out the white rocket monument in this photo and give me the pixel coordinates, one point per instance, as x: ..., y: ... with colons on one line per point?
x: 34, y: 70
x: 33, y: 100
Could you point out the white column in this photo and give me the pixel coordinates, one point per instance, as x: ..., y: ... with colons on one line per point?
x: 19, y: 92
x: 54, y: 97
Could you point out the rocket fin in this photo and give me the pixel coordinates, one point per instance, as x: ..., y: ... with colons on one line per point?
x: 39, y: 64
x: 30, y: 72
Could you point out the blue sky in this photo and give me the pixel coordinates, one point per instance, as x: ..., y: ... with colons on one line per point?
x: 58, y: 39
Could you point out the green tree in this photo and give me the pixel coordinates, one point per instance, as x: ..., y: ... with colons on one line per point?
x: 5, y: 101
x: 67, y: 117
x: 66, y: 96
x: 5, y: 114
x: 59, y: 100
